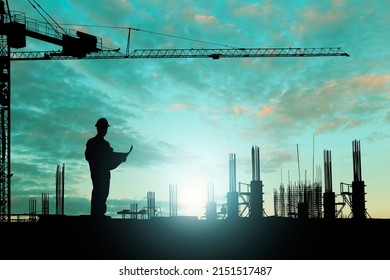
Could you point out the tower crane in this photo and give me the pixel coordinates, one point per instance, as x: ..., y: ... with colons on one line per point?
x: 15, y: 27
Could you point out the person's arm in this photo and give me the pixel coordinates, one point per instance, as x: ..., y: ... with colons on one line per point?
x: 126, y: 154
x: 87, y: 152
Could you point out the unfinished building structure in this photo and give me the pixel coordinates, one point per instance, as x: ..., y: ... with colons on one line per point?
x: 354, y: 194
x: 247, y: 201
x: 291, y: 202
x: 299, y: 200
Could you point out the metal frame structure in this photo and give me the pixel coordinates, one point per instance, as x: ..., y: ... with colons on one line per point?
x: 5, y: 116
x: 185, y: 53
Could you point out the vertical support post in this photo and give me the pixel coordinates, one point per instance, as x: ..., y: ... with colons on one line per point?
x: 63, y: 190
x: 256, y: 161
x: 211, y: 206
x: 60, y: 189
x: 282, y: 201
x: 358, y: 192
x: 232, y: 195
x: 45, y: 204
x: 134, y: 211
x: 253, y: 163
x: 151, y: 200
x: 32, y: 205
x: 173, y: 200
x: 329, y: 195
x: 256, y: 198
x: 276, y: 203
x: 57, y: 189
x: 303, y: 207
x: 128, y: 43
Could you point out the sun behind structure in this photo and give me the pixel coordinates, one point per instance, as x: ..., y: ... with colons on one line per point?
x: 192, y: 198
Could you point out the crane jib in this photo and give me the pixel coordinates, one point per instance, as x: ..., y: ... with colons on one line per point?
x: 183, y: 53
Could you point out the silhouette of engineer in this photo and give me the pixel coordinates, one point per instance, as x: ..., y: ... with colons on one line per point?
x: 102, y: 159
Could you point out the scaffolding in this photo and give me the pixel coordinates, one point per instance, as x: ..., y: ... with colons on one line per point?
x: 45, y: 204
x: 288, y: 201
x: 243, y: 199
x: 32, y: 209
x: 148, y: 212
x: 353, y: 194
x: 133, y: 212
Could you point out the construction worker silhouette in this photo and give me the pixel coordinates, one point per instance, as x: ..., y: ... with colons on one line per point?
x: 102, y: 159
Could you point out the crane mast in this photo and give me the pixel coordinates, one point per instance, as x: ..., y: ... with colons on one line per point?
x: 5, y: 115
x: 15, y: 27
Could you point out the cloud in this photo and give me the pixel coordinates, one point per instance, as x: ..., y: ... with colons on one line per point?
x: 333, y: 125
x: 275, y: 158
x: 241, y: 110
x: 336, y: 104
x: 262, y: 11
x: 265, y: 111
x: 373, y: 82
x: 211, y: 20
x: 272, y: 159
x: 250, y: 9
x: 54, y: 115
x: 180, y: 106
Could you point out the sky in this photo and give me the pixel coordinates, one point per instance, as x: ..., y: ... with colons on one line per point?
x: 185, y: 116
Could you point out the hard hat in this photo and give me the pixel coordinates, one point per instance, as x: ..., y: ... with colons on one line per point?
x: 102, y: 122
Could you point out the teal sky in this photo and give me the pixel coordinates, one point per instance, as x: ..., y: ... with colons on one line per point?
x: 185, y: 116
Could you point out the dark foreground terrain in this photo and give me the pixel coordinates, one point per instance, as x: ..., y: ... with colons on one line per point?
x: 82, y: 238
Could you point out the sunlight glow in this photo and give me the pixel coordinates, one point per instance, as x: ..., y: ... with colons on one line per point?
x: 192, y: 198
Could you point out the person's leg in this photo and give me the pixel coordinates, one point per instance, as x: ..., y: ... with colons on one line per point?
x: 99, y: 195
x: 104, y: 193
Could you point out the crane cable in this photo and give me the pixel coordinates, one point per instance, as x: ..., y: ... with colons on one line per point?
x: 48, y: 16
x: 118, y: 27
x: 155, y: 33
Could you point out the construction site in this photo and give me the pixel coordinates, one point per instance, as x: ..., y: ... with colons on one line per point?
x: 306, y: 224
x: 310, y: 220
